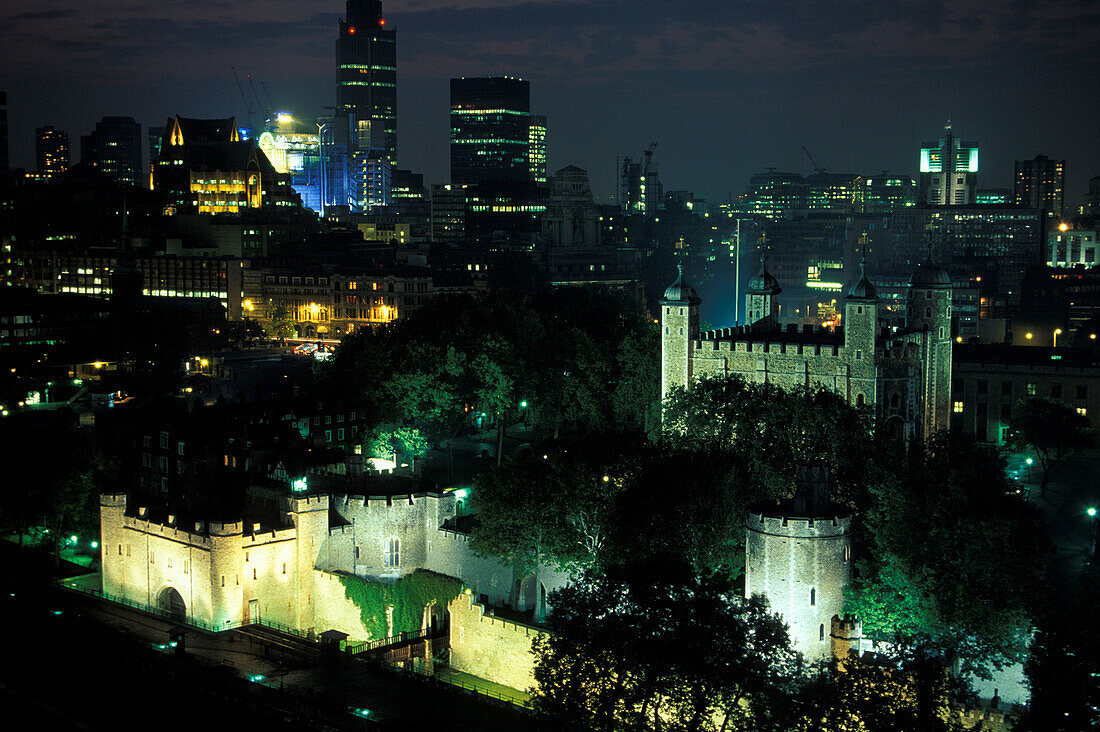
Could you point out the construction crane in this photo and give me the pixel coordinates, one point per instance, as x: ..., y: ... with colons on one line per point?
x: 247, y: 105
x: 813, y: 163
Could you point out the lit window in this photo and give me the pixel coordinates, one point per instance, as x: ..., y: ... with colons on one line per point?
x: 958, y: 407
x: 1032, y: 389
x: 1081, y: 411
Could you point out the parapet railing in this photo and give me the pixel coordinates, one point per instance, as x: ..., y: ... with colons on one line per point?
x: 167, y: 616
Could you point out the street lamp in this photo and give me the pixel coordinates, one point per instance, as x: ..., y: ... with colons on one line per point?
x: 1057, y: 332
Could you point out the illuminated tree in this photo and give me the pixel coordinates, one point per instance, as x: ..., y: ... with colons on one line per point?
x: 911, y: 691
x: 775, y: 430
x: 655, y: 647
x: 939, y: 531
x: 1052, y: 428
x: 278, y: 321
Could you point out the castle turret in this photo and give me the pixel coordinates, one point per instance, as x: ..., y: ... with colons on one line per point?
x: 310, y: 517
x: 112, y: 510
x: 762, y: 300
x: 679, y: 327
x: 929, y: 310
x: 845, y: 635
x: 798, y: 555
x: 860, y: 331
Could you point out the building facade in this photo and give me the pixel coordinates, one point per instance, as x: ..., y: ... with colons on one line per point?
x: 490, y: 130
x: 1040, y: 183
x: 52, y: 154
x: 114, y: 149
x: 366, y: 78
x: 948, y: 171
x: 903, y: 374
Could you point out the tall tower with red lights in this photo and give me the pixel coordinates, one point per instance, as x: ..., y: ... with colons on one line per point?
x: 366, y: 80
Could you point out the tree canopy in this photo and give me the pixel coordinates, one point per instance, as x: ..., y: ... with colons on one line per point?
x: 654, y: 646
x: 956, y: 558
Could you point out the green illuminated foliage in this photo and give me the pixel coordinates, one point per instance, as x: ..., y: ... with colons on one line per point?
x: 408, y: 596
x: 956, y: 558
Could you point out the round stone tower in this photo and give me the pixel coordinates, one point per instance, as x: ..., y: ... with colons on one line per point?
x: 798, y: 554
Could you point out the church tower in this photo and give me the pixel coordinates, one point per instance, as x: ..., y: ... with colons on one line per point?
x: 679, y: 327
x: 929, y: 310
x: 762, y: 300
x: 860, y: 331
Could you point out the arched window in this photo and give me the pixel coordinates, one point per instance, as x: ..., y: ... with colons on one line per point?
x: 859, y: 309
x: 813, y: 596
x: 847, y: 553
x: 821, y: 632
x: 859, y: 400
x: 894, y: 401
x: 928, y: 312
x: 392, y: 555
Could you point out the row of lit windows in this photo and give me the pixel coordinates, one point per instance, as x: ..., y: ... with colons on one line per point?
x: 368, y: 83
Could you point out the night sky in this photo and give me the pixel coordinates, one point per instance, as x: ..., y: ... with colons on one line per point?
x: 726, y: 88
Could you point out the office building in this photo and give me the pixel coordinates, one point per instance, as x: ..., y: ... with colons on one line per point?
x: 948, y: 171
x: 775, y: 195
x: 295, y: 150
x: 1040, y: 183
x: 450, y: 205
x: 114, y: 149
x: 366, y: 77
x: 885, y: 192
x: 640, y: 189
x: 51, y: 149
x: 993, y: 197
x: 537, y: 148
x: 490, y: 130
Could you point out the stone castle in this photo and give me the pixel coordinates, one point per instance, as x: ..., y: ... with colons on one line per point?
x: 902, y: 373
x: 289, y: 565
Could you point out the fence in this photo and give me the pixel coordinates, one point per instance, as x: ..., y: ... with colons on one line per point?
x: 357, y: 650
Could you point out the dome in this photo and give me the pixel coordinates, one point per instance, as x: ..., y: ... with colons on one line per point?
x: 763, y: 283
x: 930, y: 275
x: 680, y: 291
x: 863, y: 289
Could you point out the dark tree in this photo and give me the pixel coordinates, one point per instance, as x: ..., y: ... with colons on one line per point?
x: 1052, y: 428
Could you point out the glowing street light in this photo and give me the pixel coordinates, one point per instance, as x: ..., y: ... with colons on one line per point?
x: 1091, y: 511
x: 1057, y: 332
x: 1029, y: 336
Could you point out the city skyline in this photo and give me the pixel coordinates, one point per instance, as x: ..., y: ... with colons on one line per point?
x: 725, y: 94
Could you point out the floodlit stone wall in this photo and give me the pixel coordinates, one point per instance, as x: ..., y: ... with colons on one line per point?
x: 489, y: 647
x: 801, y: 565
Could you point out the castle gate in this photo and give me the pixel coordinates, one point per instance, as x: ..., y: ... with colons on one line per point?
x: 171, y: 602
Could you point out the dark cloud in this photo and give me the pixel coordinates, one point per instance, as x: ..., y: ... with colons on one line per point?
x: 727, y: 86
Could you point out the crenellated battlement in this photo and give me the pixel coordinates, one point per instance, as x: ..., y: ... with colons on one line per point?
x: 847, y: 626
x: 800, y: 527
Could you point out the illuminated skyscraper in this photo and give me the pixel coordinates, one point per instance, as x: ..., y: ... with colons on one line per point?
x: 948, y: 171
x: 490, y: 130
x: 366, y: 78
x: 114, y: 149
x: 536, y: 138
x: 1040, y: 184
x: 51, y: 151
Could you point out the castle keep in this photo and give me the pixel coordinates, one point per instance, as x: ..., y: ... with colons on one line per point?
x: 902, y: 372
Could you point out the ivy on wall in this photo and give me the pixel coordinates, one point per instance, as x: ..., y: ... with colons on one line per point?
x: 408, y: 596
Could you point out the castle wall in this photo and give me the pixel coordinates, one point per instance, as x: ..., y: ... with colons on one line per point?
x: 333, y: 610
x: 790, y: 365
x: 490, y: 647
x: 451, y: 555
x: 802, y: 566
x: 361, y: 549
